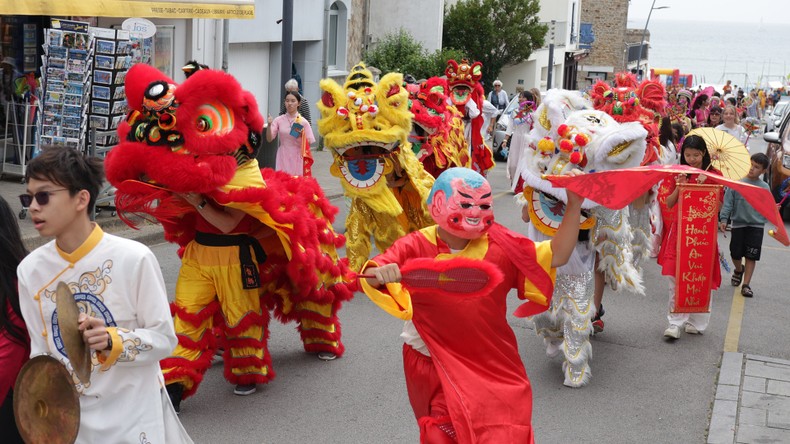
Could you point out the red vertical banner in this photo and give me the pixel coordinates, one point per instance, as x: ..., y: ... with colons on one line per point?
x: 697, y: 251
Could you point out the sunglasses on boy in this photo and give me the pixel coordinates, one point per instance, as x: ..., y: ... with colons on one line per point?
x: 42, y: 197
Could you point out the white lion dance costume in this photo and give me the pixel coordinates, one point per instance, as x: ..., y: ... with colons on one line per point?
x: 569, y: 134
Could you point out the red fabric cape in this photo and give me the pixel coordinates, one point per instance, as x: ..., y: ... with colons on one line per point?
x: 616, y: 189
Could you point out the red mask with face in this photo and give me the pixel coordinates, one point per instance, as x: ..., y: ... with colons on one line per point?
x: 467, y: 212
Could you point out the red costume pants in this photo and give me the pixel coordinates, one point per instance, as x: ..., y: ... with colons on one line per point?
x: 426, y: 396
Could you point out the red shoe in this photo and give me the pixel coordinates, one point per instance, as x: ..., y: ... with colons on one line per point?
x: 598, y: 325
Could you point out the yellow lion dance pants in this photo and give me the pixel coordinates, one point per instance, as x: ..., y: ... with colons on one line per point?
x: 212, y: 305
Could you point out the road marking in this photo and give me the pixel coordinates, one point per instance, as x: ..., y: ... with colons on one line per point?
x: 783, y: 249
x: 733, y: 335
x: 504, y: 193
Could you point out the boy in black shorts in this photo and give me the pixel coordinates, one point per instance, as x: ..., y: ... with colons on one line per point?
x: 747, y: 226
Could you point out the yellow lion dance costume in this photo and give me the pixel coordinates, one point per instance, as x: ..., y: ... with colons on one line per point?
x: 366, y: 125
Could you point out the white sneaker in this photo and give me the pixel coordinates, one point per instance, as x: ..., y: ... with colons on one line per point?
x: 673, y: 332
x: 327, y: 356
x: 244, y: 390
x: 692, y: 330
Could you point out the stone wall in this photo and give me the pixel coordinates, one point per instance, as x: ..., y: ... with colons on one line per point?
x: 609, y: 20
x: 357, y: 32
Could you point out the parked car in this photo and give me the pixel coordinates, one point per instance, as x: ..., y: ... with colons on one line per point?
x: 501, y: 126
x: 778, y: 153
x: 774, y: 118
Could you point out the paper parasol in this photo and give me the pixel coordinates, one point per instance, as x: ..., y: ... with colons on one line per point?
x: 727, y: 153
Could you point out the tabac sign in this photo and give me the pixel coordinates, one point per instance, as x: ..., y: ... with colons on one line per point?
x: 220, y: 9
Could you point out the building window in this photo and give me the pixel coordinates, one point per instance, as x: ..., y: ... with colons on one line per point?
x: 592, y: 76
x: 337, y: 36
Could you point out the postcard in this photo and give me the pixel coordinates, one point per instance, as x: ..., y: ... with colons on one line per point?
x: 102, y: 77
x: 105, y: 62
x: 101, y: 92
x: 105, y: 47
x: 100, y: 107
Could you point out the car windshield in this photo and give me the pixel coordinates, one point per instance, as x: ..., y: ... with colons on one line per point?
x: 513, y: 105
x: 779, y: 109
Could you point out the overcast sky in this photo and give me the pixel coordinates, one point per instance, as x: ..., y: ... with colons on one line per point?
x: 770, y: 11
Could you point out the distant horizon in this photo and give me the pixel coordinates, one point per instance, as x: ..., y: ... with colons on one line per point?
x: 724, y: 11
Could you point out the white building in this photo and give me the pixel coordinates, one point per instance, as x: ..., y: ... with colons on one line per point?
x: 533, y: 73
x: 422, y: 19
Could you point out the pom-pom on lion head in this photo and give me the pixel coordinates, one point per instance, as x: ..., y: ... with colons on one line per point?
x: 185, y: 138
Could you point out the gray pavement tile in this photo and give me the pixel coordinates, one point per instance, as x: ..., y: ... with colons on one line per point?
x: 727, y: 392
x: 722, y: 422
x: 731, y: 366
x: 763, y: 370
x: 765, y: 401
x: 780, y: 420
x: 768, y: 359
x: 754, y: 384
x: 758, y: 434
x: 751, y: 416
x: 778, y: 388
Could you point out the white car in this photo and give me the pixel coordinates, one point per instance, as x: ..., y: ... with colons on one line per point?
x: 774, y: 118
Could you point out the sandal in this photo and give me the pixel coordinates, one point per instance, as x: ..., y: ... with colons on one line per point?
x: 746, y: 291
x: 736, y: 278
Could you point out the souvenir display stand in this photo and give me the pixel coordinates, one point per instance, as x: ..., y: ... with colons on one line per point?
x: 112, y: 58
x: 67, y: 64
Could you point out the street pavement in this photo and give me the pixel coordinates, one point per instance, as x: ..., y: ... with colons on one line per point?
x: 731, y: 384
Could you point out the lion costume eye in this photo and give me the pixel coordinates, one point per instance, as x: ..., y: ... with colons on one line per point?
x: 214, y: 119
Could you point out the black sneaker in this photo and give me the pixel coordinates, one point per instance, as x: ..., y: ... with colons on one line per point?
x: 175, y: 391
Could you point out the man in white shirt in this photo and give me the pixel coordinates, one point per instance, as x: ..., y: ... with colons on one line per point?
x: 124, y: 312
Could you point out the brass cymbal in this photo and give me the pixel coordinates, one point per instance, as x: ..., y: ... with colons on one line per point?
x: 77, y: 351
x: 46, y: 404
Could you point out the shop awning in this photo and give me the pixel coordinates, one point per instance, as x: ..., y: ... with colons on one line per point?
x: 216, y: 9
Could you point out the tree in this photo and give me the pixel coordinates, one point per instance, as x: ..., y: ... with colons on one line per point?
x: 495, y: 32
x: 399, y: 52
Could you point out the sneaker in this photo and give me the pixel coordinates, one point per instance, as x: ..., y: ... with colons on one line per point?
x: 244, y: 390
x: 692, y: 330
x: 327, y: 356
x: 175, y: 391
x: 672, y: 332
x: 597, y: 325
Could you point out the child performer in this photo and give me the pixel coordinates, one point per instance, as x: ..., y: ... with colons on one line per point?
x: 465, y: 378
x: 124, y: 313
x: 747, y: 226
x: 693, y: 153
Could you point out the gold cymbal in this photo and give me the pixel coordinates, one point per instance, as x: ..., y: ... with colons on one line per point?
x: 77, y: 351
x: 46, y: 404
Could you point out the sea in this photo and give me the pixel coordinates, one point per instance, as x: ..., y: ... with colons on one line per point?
x: 749, y: 54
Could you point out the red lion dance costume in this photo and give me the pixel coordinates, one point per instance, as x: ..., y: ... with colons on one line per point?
x: 467, y: 94
x: 437, y: 128
x: 201, y: 137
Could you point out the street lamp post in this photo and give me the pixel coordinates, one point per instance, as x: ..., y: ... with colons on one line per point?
x: 644, y: 34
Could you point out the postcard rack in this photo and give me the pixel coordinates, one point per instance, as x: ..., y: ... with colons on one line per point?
x: 112, y: 58
x: 67, y: 63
